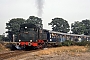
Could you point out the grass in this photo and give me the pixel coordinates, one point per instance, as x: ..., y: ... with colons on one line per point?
x: 2, y: 47
x: 59, y: 50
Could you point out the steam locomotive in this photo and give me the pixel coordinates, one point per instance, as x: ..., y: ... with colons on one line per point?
x: 31, y: 35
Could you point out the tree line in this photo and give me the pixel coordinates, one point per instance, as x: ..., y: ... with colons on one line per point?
x: 58, y: 24
x: 61, y: 25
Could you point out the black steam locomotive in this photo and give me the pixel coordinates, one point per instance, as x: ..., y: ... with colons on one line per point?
x: 32, y: 36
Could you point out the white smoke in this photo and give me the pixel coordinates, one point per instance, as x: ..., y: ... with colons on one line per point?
x: 39, y: 4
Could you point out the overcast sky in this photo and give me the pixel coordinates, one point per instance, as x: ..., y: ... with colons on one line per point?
x: 70, y: 10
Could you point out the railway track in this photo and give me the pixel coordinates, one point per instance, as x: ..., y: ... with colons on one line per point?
x: 14, y: 53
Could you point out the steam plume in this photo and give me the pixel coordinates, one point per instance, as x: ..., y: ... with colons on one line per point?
x: 40, y: 4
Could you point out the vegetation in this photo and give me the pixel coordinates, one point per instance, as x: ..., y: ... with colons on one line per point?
x: 60, y: 25
x: 35, y: 20
x: 77, y: 28
x: 13, y: 26
x: 81, y: 27
x: 68, y: 43
x: 1, y: 37
x: 73, y: 43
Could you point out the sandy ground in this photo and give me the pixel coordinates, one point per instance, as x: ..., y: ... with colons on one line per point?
x: 66, y: 56
x: 62, y: 56
x: 59, y: 53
